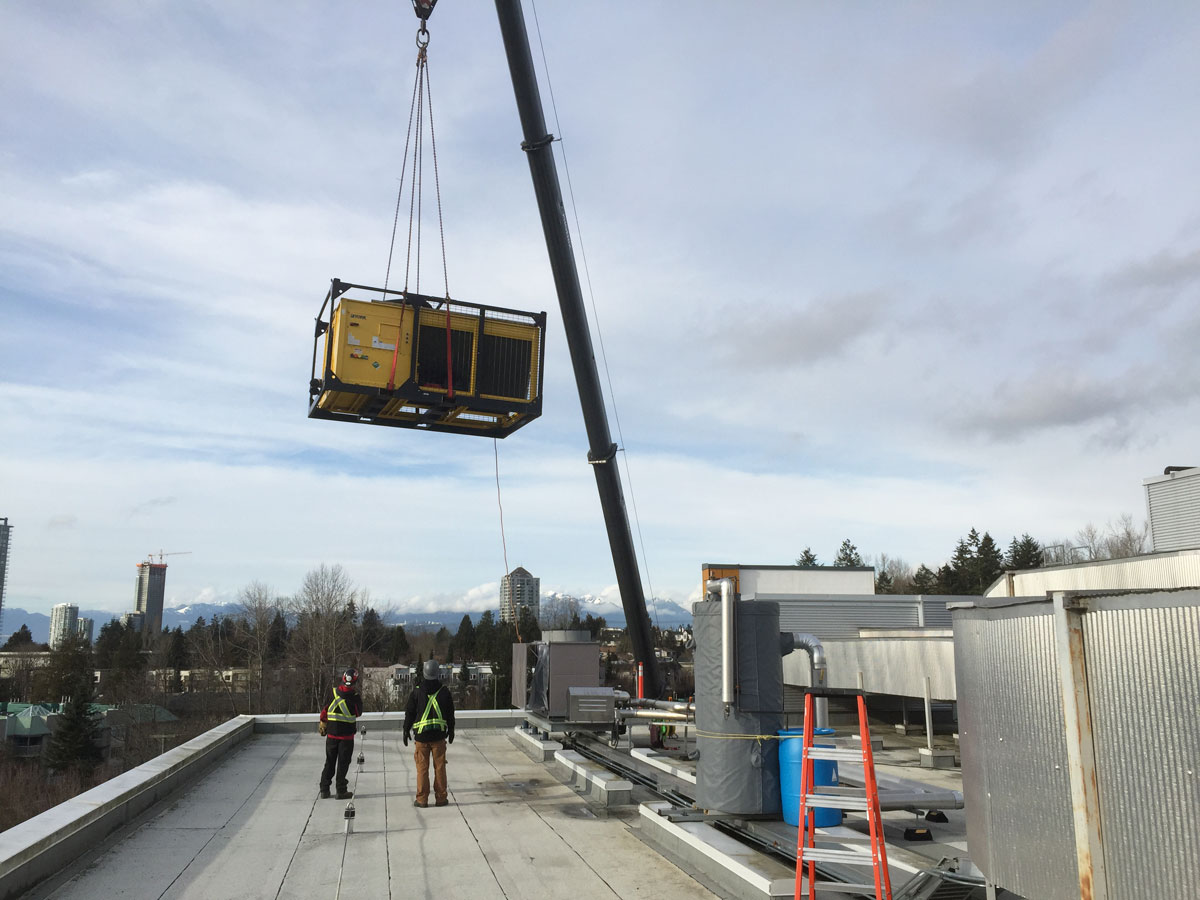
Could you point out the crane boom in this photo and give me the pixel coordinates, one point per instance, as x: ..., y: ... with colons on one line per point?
x: 602, y: 451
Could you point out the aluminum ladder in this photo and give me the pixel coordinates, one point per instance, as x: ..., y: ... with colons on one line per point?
x: 864, y: 800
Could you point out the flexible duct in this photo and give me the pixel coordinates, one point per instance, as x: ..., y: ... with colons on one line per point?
x: 725, y: 586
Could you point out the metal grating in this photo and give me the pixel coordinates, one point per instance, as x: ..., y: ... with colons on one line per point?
x: 834, y: 617
x: 1144, y: 687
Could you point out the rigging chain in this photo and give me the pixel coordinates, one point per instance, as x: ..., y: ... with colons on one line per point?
x: 420, y: 111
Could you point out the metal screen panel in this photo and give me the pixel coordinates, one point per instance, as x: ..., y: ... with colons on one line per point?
x: 1015, y: 780
x: 1144, y: 687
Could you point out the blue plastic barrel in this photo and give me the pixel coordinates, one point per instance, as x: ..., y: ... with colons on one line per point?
x: 825, y: 772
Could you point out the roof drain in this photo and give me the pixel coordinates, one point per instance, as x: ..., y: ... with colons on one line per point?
x: 819, y: 669
x: 725, y: 586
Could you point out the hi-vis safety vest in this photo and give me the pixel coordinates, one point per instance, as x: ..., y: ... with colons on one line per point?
x: 432, y: 717
x: 337, y: 710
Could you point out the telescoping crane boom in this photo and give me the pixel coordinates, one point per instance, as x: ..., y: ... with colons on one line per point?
x: 602, y: 451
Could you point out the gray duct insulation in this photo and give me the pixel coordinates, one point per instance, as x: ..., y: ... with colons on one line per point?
x: 737, y: 772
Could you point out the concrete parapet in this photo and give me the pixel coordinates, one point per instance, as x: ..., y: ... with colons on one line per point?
x: 41, y: 846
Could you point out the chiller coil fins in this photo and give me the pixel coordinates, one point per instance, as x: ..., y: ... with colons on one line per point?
x: 384, y: 362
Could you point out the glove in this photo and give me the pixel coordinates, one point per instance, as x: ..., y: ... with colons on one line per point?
x: 406, y: 740
x: 321, y: 729
x: 450, y: 739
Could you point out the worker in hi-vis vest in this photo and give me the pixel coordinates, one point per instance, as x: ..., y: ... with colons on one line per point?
x: 429, y: 717
x: 338, y: 725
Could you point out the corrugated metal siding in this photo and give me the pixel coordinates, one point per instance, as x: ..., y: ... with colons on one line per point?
x: 1144, y: 688
x: 1136, y: 574
x: 1174, y: 512
x: 833, y: 617
x: 1015, y: 780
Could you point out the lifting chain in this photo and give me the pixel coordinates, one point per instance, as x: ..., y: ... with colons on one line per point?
x: 420, y: 111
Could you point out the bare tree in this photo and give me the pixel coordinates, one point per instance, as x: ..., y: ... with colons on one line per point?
x: 897, y: 570
x: 324, y: 635
x: 1091, y: 540
x: 257, y: 605
x: 1124, y: 538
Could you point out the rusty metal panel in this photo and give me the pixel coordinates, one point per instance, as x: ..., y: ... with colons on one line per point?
x: 1144, y: 687
x: 1015, y: 781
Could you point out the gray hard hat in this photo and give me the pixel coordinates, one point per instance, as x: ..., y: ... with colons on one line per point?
x: 432, y: 668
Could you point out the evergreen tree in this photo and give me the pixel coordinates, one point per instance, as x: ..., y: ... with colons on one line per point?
x: 883, y: 583
x: 21, y: 639
x: 594, y: 625
x: 847, y: 555
x: 485, y: 638
x: 808, y: 559
x: 397, y: 645
x: 107, y: 642
x: 371, y: 632
x: 464, y: 639
x: 989, y: 564
x: 1024, y: 553
x: 70, y: 664
x: 74, y: 740
x: 924, y: 581
x: 277, y: 638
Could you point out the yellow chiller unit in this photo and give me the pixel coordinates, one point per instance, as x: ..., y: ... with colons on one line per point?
x: 384, y: 362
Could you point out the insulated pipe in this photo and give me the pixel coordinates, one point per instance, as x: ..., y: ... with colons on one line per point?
x: 725, y: 586
x: 653, y: 714
x: 672, y: 705
x: 820, y: 673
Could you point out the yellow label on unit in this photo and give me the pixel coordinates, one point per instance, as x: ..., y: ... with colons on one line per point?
x: 370, y: 342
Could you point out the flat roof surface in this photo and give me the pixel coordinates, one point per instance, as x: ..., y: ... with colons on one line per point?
x: 253, y: 827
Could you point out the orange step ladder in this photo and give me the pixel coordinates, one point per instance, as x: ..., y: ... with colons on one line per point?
x: 866, y: 800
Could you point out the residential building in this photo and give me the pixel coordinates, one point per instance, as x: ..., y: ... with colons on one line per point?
x: 5, y: 532
x: 151, y: 586
x: 518, y: 588
x: 64, y: 623
x: 86, y: 628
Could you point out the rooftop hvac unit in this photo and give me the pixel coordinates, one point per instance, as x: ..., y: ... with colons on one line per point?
x: 414, y: 361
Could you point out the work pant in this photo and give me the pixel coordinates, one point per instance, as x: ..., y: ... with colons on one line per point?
x: 421, y: 754
x: 337, y: 753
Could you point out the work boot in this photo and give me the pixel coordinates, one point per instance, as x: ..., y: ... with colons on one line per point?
x: 345, y: 795
x: 420, y: 804
x: 442, y: 803
x: 324, y: 795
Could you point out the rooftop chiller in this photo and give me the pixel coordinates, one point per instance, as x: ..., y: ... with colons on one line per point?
x: 414, y: 361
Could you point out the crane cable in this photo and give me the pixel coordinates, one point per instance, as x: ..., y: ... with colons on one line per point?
x: 420, y: 111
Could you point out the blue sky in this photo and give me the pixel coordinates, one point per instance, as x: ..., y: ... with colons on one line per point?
x: 872, y: 271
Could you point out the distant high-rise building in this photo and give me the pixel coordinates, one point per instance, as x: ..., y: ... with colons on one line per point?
x: 151, y: 587
x: 133, y: 621
x: 85, y: 626
x: 518, y: 588
x: 5, y: 531
x: 64, y: 623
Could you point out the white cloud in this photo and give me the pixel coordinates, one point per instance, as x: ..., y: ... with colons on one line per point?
x: 887, y: 276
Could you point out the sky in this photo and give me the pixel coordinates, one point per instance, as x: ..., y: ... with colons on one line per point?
x: 875, y: 271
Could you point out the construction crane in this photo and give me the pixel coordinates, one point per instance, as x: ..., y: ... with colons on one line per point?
x: 602, y: 452
x: 160, y: 554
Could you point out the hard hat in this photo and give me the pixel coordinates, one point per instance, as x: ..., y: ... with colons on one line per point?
x: 350, y: 677
x: 432, y: 668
